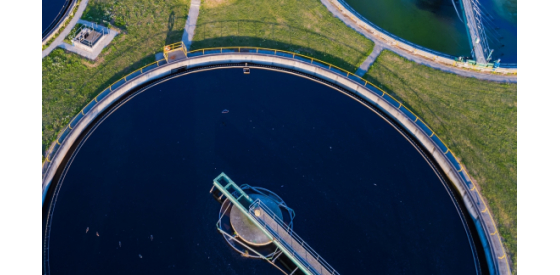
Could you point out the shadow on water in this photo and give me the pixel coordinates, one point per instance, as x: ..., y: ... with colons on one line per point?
x: 433, y: 6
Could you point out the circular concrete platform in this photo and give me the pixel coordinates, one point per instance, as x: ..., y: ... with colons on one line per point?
x: 246, y: 229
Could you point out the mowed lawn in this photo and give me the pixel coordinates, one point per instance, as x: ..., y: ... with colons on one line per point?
x: 476, y: 119
x: 301, y: 26
x: 70, y: 81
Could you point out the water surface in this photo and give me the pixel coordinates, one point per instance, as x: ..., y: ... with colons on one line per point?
x: 364, y: 198
x: 52, y: 10
x: 434, y: 24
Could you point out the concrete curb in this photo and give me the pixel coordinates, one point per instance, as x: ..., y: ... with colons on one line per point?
x: 495, y: 253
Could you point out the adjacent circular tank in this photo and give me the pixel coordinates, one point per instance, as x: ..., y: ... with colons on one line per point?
x: 137, y: 183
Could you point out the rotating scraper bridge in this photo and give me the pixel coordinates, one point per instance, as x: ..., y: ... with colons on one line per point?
x: 474, y: 19
x: 245, y: 57
x: 301, y: 254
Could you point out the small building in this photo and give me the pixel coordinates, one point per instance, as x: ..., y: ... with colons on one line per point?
x: 88, y: 37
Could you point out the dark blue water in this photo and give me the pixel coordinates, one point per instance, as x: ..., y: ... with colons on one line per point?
x: 364, y: 198
x: 52, y: 10
x: 501, y: 30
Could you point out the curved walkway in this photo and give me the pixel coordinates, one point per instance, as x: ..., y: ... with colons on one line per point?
x: 478, y: 210
x: 58, y: 40
x: 420, y: 60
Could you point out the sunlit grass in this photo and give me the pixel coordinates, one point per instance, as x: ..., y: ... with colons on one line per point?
x: 478, y: 121
x: 70, y: 81
x: 301, y: 26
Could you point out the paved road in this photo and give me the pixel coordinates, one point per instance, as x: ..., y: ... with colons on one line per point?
x: 417, y: 59
x: 66, y: 31
x: 190, y: 25
x: 369, y: 60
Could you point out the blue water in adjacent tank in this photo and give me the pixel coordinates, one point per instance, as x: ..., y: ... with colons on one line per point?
x: 52, y: 10
x: 435, y: 24
x: 364, y: 198
x: 502, y: 29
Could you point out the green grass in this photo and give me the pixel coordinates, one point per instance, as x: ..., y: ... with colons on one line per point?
x: 301, y: 26
x: 477, y: 119
x: 70, y: 81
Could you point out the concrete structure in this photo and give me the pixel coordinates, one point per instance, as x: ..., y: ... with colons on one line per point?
x: 288, y: 241
x: 378, y: 101
x: 246, y: 229
x: 58, y: 40
x: 473, y: 31
x: 369, y: 60
x: 266, y: 221
x: 414, y: 52
x: 91, y: 52
x: 190, y: 25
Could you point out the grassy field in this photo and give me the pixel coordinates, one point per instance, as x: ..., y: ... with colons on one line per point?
x: 70, y: 81
x: 301, y: 26
x: 478, y: 121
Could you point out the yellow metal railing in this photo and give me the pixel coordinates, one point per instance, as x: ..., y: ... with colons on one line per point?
x: 180, y: 46
x: 81, y: 113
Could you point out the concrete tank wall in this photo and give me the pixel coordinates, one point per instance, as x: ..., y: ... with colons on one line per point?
x: 487, y: 230
x: 397, y: 42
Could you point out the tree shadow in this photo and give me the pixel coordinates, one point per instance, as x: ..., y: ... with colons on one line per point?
x: 423, y: 106
x: 133, y: 67
x: 244, y: 41
x: 109, y: 62
x: 172, y: 35
x: 328, y: 48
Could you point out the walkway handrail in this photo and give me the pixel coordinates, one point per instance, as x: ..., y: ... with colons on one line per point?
x: 54, y: 146
x: 449, y: 60
x: 257, y: 204
x: 441, y: 147
x: 53, y: 149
